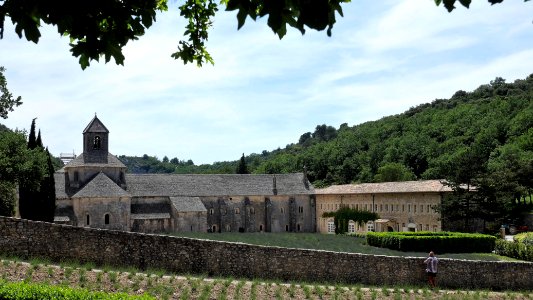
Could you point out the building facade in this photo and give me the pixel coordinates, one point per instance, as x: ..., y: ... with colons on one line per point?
x: 401, y: 206
x: 94, y: 190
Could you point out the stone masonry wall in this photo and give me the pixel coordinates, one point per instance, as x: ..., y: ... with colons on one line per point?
x: 107, y: 247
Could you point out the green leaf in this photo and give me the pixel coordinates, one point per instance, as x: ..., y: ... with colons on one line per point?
x: 465, y: 3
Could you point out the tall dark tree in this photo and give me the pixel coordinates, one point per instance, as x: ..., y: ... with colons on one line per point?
x: 242, y: 168
x: 47, y: 195
x: 39, y: 141
x: 32, y: 140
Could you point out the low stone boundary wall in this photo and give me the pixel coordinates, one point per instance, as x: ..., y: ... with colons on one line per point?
x: 27, y: 239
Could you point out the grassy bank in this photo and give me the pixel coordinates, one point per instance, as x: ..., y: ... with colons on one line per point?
x: 328, y: 242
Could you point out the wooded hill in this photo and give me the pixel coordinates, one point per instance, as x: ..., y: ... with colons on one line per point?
x: 488, y: 129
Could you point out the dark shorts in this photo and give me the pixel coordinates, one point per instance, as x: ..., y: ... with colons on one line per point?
x: 431, y: 274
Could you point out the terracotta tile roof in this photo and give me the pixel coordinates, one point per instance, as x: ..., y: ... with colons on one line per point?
x: 421, y: 186
x: 101, y: 186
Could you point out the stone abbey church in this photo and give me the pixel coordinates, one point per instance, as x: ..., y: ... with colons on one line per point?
x: 94, y: 190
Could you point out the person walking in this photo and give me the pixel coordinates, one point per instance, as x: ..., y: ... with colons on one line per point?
x: 431, y: 268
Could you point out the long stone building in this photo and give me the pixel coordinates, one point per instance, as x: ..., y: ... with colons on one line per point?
x: 94, y: 190
x: 402, y: 206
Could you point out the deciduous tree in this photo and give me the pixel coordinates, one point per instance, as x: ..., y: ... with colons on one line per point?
x: 7, y: 102
x: 101, y: 28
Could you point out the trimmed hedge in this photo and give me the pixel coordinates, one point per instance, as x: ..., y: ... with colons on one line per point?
x: 33, y: 291
x: 441, y: 242
x: 514, y: 249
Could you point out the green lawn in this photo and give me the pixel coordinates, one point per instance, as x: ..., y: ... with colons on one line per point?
x: 329, y: 242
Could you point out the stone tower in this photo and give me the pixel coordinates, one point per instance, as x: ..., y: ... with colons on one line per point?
x: 95, y: 142
x: 95, y: 159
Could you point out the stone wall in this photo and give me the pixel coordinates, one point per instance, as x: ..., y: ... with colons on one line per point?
x: 182, y: 255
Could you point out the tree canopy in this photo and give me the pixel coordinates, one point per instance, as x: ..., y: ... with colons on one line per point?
x: 7, y: 102
x: 101, y: 28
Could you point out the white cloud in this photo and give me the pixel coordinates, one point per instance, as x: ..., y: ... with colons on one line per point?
x: 263, y: 93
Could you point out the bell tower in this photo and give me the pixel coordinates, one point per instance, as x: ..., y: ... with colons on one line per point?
x: 95, y: 142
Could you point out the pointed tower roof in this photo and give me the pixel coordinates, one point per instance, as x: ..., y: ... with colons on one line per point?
x: 95, y: 126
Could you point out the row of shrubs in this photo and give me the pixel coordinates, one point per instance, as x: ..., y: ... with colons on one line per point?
x: 33, y: 291
x: 443, y: 242
x: 521, y: 248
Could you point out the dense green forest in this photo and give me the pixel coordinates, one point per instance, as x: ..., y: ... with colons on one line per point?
x: 425, y: 142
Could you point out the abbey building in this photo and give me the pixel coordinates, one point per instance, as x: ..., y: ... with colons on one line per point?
x: 94, y: 190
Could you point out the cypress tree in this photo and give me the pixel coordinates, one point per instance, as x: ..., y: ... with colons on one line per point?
x: 47, y: 195
x: 39, y: 142
x: 242, y: 168
x: 32, y: 141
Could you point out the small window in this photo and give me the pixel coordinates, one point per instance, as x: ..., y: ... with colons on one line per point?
x: 211, y: 211
x: 370, y: 226
x: 282, y: 210
x: 381, y: 207
x: 428, y: 208
x: 88, y: 220
x: 414, y: 206
x: 106, y: 219
x: 252, y: 210
x: 403, y: 207
x: 261, y: 227
x: 331, y: 227
x: 409, y: 207
x: 214, y: 228
x: 351, y: 227
x: 298, y: 226
x: 286, y: 227
x: 228, y: 228
x: 237, y: 211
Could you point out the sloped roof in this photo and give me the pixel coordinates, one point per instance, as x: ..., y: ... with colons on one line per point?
x: 150, y: 216
x: 196, y: 185
x: 184, y: 204
x: 101, y: 186
x: 96, y: 126
x: 112, y: 162
x: 59, y: 178
x: 421, y: 186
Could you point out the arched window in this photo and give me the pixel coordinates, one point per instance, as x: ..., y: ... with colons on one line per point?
x: 286, y: 227
x: 237, y: 211
x: 214, y: 228
x: 260, y: 227
x: 298, y: 226
x: 106, y: 219
x: 97, y: 143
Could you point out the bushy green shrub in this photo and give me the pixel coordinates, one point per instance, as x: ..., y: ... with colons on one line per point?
x: 514, y: 249
x: 443, y: 242
x: 525, y: 238
x: 32, y: 291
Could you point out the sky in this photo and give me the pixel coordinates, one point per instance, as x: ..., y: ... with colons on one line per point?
x: 262, y: 92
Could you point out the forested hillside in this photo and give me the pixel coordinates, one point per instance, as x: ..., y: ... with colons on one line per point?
x: 488, y: 128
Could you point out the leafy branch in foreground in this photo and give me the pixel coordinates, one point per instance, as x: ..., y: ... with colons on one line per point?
x: 101, y: 28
